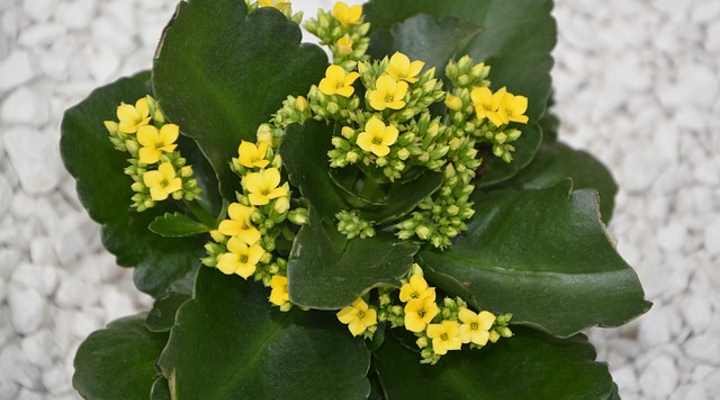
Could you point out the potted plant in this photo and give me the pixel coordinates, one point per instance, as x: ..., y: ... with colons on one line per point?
x: 398, y: 222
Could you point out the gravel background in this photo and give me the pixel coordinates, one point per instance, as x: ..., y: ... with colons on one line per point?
x: 637, y: 84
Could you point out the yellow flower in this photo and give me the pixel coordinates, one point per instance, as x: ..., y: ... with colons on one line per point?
x: 416, y: 288
x: 419, y: 313
x: 358, y: 316
x: 475, y: 328
x: 162, y: 182
x: 402, y: 69
x: 344, y: 45
x: 282, y: 5
x: 242, y: 259
x: 239, y: 225
x: 253, y: 156
x: 263, y: 186
x: 487, y: 105
x: 155, y: 142
x: 347, y: 15
x: 131, y: 118
x: 388, y: 93
x: 279, y: 294
x: 377, y: 137
x: 445, y: 337
x: 337, y: 81
x: 515, y: 107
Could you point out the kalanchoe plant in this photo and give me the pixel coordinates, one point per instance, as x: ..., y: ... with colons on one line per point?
x: 402, y: 223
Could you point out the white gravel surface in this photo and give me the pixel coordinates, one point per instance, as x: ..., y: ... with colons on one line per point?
x: 637, y: 84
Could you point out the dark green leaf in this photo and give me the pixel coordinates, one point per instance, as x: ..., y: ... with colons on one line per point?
x: 326, y: 271
x: 220, y: 73
x: 118, y: 362
x: 105, y: 191
x: 174, y: 225
x: 556, y: 162
x: 514, y: 37
x: 530, y: 365
x: 543, y: 255
x: 160, y: 390
x: 304, y: 151
x: 229, y: 343
x: 425, y: 37
x: 162, y: 316
x: 402, y: 198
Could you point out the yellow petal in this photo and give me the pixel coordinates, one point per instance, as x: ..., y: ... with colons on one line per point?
x: 377, y: 100
x: 169, y: 133
x: 237, y: 246
x: 227, y: 263
x: 335, y: 73
x: 167, y: 170
x: 346, y: 315
x: 253, y: 182
x: 486, y: 319
x: 258, y: 199
x: 152, y: 178
x: 272, y: 176
x: 345, y: 91
x: 175, y: 185
x: 147, y: 135
x: 351, y: 78
x: 435, y: 330
x: 245, y: 270
x: 230, y: 228
x: 126, y: 112
x: 143, y: 108
x: 416, y: 67
x: 327, y: 87
x: 239, y: 212
x: 364, y: 140
x: 380, y: 150
x: 158, y: 193
x: 149, y: 155
x: 357, y: 327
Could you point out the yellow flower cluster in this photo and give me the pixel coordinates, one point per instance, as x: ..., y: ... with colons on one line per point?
x: 158, y: 170
x: 245, y: 239
x: 424, y: 318
x: 500, y: 107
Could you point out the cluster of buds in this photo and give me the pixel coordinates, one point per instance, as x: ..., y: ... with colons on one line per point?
x: 344, y: 31
x: 352, y: 225
x: 157, y: 168
x: 295, y: 110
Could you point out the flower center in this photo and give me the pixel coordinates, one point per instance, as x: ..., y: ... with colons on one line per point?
x: 361, y: 314
x: 444, y: 337
x: 377, y: 140
x: 244, y: 259
x: 474, y: 326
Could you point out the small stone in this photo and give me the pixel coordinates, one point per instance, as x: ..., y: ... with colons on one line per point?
x: 43, y: 279
x: 41, y: 34
x: 104, y: 64
x: 9, y: 258
x: 42, y: 252
x: 5, y: 195
x: 39, y: 348
x: 712, y: 238
x: 76, y: 14
x: 672, y: 237
x: 24, y: 106
x: 29, y: 395
x: 697, y: 313
x: 625, y: 378
x: 703, y: 347
x: 35, y: 159
x: 15, y: 368
x: 55, y: 380
x: 15, y: 70
x: 655, y: 327
x: 116, y: 304
x: 39, y: 10
x: 27, y: 309
x: 705, y: 11
x: 659, y: 378
x: 75, y: 234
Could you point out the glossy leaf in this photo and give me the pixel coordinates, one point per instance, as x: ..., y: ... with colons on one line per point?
x: 304, y: 151
x: 514, y: 37
x: 104, y: 191
x: 327, y: 271
x: 556, y: 162
x: 229, y: 343
x: 162, y: 316
x: 160, y: 390
x: 530, y: 365
x: 543, y: 255
x: 221, y: 72
x: 174, y: 225
x: 118, y: 362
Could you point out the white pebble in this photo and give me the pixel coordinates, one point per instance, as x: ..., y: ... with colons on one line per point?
x: 34, y: 158
x: 76, y: 14
x: 712, y: 237
x: 24, y: 106
x: 28, y: 309
x: 705, y: 347
x: 5, y: 195
x: 42, y: 278
x: 15, y: 70
x: 40, y: 10
x: 659, y: 378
